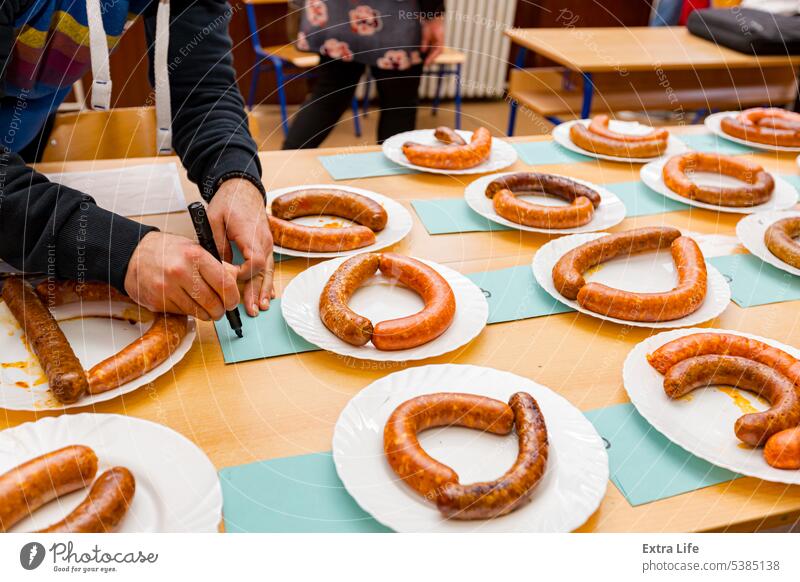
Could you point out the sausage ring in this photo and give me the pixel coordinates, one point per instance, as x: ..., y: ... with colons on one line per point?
x: 394, y: 334
x: 771, y: 126
x: 104, y: 507
x: 583, y: 200
x: 137, y: 358
x: 756, y: 428
x: 438, y: 482
x: 598, y: 138
x: 758, y: 187
x: 29, y: 486
x: 370, y: 217
x: 448, y: 135
x: 724, y: 344
x: 685, y: 298
x: 451, y: 156
x: 780, y: 240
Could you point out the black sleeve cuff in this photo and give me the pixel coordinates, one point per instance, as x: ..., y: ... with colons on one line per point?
x: 96, y: 245
x: 233, y: 163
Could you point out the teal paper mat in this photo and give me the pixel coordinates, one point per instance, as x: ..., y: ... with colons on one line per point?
x: 754, y: 282
x: 646, y: 466
x: 367, y: 165
x: 452, y: 215
x: 291, y: 495
x: 712, y: 143
x: 514, y: 294
x: 265, y: 336
x: 539, y: 153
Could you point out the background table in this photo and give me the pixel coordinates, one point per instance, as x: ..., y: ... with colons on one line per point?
x: 288, y: 405
x: 627, y: 67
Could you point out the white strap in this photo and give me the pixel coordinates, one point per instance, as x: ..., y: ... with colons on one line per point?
x: 163, y: 105
x: 98, y: 47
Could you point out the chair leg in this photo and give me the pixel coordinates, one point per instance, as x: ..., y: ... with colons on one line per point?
x: 438, y: 95
x: 251, y: 98
x: 512, y: 117
x: 367, y: 87
x: 356, y: 120
x: 458, y: 96
x: 279, y: 79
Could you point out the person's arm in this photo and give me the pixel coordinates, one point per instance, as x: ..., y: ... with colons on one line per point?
x: 210, y: 134
x: 49, y: 228
x: 432, y: 29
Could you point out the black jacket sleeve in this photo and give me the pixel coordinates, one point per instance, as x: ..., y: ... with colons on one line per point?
x: 52, y: 229
x: 209, y: 123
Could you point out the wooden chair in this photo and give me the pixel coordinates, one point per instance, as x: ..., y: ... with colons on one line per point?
x: 125, y: 132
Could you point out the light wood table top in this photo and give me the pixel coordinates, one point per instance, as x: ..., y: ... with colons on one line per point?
x: 594, y: 50
x: 288, y: 405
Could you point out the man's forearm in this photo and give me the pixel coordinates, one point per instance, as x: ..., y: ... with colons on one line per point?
x: 49, y: 228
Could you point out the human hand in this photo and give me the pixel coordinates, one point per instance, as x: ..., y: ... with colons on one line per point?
x: 237, y: 214
x: 432, y: 39
x: 170, y: 273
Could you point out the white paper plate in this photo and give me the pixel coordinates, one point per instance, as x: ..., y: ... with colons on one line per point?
x: 702, y: 423
x: 397, y: 227
x: 784, y: 196
x: 575, y: 479
x: 714, y: 124
x: 650, y: 272
x: 177, y: 489
x: 562, y: 138
x: 751, y: 230
x: 93, y: 338
x: 381, y: 299
x: 610, y: 212
x: 502, y: 155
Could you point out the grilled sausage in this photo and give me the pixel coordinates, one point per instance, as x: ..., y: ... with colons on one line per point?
x: 782, y: 450
x: 771, y: 126
x: 755, y: 428
x: 515, y: 487
x: 687, y: 297
x: 342, y: 321
x: 599, y: 139
x: 105, y: 506
x: 26, y: 488
x: 64, y: 372
x: 568, y: 271
x: 724, y: 344
x: 451, y: 157
x: 448, y: 136
x: 758, y: 187
x: 313, y: 202
x: 429, y: 323
x: 406, y: 456
x: 779, y: 239
x: 319, y: 239
x: 536, y: 183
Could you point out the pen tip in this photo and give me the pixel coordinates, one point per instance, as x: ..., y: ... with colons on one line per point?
x: 239, y: 333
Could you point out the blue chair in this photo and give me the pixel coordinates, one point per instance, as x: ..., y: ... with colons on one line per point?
x: 288, y: 64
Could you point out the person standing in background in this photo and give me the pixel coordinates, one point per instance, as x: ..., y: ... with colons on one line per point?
x: 394, y: 39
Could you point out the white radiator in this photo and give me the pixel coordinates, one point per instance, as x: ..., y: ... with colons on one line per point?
x: 475, y: 27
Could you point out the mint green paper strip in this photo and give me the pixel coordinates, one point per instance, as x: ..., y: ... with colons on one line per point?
x: 368, y: 165
x: 754, y: 282
x: 639, y: 200
x: 452, y: 215
x: 265, y: 336
x: 301, y: 494
x: 645, y: 465
x: 793, y: 179
x: 547, y: 152
x: 514, y: 294
x: 712, y: 143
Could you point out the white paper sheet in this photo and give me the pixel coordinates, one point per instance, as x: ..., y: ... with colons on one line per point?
x: 131, y: 191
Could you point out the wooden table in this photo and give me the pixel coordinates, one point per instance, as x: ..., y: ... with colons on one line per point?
x: 626, y: 51
x: 288, y: 405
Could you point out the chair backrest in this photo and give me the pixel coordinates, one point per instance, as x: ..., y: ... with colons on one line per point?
x: 124, y: 132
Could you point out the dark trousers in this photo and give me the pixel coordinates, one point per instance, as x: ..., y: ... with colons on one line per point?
x: 398, y: 93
